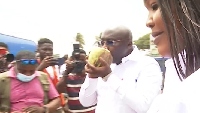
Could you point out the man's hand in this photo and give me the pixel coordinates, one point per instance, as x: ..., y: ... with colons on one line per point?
x: 46, y: 62
x: 69, y: 67
x: 95, y: 72
x: 34, y: 109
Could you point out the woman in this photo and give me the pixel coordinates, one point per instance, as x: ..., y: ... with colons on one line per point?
x: 175, y: 25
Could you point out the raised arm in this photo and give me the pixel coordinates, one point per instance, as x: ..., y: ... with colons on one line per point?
x: 88, y: 94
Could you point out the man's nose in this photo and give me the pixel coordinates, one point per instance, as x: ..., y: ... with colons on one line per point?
x: 48, y: 53
x: 105, y: 46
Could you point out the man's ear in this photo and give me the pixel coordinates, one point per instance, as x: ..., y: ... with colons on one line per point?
x: 38, y: 48
x: 130, y: 43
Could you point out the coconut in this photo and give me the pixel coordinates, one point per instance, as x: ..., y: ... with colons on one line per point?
x: 98, y: 52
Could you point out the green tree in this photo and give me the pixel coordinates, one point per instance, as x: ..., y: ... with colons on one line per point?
x: 143, y: 42
x: 97, y: 39
x: 80, y: 39
x: 56, y: 55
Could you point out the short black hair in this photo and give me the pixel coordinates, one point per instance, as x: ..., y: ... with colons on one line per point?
x: 44, y: 40
x: 2, y: 44
x: 28, y: 55
x: 81, y: 51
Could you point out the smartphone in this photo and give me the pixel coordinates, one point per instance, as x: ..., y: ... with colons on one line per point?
x: 78, y: 66
x: 61, y: 61
x: 54, y: 61
x: 10, y: 57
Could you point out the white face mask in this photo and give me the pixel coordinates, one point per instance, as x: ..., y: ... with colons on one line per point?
x: 25, y: 78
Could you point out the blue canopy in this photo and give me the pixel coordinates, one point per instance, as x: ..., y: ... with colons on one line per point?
x: 18, y: 44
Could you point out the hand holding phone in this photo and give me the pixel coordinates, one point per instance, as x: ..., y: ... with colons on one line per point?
x: 53, y: 61
x: 78, y: 66
x: 48, y: 61
x: 69, y: 67
x: 61, y: 61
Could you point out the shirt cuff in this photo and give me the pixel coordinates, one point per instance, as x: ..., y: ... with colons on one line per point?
x: 92, y: 82
x: 106, y: 77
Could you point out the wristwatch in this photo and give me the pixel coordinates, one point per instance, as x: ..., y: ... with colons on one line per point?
x: 46, y: 109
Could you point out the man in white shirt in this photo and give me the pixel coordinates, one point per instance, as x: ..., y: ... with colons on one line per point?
x: 129, y: 85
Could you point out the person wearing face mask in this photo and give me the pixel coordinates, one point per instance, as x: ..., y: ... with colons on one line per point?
x: 175, y: 25
x: 27, y: 90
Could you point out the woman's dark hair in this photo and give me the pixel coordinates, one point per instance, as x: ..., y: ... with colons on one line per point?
x: 182, y: 20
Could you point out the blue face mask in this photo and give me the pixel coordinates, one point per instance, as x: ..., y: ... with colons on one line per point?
x: 25, y: 78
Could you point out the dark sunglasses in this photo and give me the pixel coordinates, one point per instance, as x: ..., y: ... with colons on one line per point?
x: 26, y: 62
x: 108, y: 42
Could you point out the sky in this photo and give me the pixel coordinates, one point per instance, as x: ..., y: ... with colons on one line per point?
x: 60, y: 20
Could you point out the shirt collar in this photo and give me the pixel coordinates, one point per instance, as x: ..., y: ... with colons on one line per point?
x: 12, y: 74
x: 134, y: 56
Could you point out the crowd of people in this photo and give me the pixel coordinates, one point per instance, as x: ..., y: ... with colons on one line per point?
x: 35, y: 83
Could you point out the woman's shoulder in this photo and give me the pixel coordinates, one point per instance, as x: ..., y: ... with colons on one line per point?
x: 193, y: 78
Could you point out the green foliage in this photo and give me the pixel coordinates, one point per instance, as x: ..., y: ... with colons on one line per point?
x: 143, y: 42
x: 56, y: 55
x: 80, y: 39
x: 97, y: 39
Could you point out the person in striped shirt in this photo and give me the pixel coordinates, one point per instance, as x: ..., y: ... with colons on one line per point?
x: 72, y: 80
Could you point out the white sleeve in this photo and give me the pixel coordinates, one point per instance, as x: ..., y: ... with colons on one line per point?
x: 139, y: 93
x: 88, y: 94
x: 62, y: 69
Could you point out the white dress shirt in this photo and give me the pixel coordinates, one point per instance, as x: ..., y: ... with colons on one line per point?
x: 171, y: 87
x: 186, y: 99
x: 130, y: 88
x: 171, y: 76
x: 62, y: 69
x: 171, y: 82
